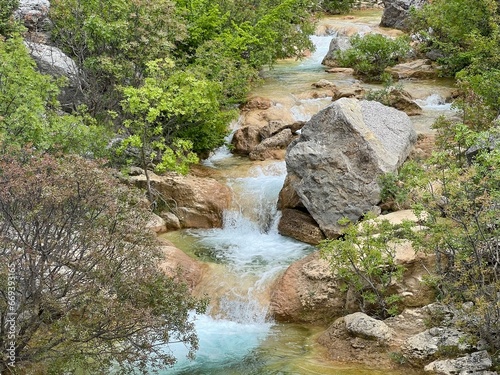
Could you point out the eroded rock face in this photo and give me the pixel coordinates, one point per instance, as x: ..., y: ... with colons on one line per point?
x: 396, y: 12
x: 422, y: 347
x: 307, y: 292
x: 476, y: 363
x: 334, y: 165
x: 196, y: 202
x: 416, y: 69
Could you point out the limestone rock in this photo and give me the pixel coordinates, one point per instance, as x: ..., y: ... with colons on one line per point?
x: 301, y: 226
x: 274, y: 127
x: 33, y: 14
x: 349, y: 71
x: 361, y: 325
x: 322, y: 83
x: 353, y: 91
x: 474, y: 363
x: 396, y: 12
x: 265, y: 149
x: 307, y: 292
x: 288, y: 197
x: 197, y: 202
x: 171, y: 221
x: 424, y: 346
x: 341, y: 152
x: 256, y: 102
x: 418, y: 69
x: 402, y: 100
x: 339, y: 42
x: 245, y: 139
x: 52, y: 61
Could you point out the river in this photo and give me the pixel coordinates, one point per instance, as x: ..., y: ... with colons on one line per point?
x: 248, y: 254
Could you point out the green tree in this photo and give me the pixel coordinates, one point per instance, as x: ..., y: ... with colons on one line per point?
x: 29, y: 109
x: 80, y: 274
x: 459, y: 30
x: 171, y: 117
x: 371, y: 54
x: 7, y: 7
x: 463, y: 226
x: 365, y: 260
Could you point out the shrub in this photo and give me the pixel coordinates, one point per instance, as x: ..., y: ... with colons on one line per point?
x: 370, y: 55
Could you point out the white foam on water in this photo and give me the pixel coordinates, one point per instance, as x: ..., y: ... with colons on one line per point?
x: 434, y: 102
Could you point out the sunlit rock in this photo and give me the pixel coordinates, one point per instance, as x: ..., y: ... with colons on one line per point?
x: 361, y: 325
x: 342, y: 151
x: 307, y: 292
x: 197, y: 202
x: 181, y: 266
x: 416, y: 69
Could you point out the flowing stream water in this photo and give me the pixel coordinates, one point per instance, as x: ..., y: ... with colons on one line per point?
x: 248, y: 254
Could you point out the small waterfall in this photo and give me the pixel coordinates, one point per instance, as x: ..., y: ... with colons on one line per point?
x: 434, y: 102
x: 246, y: 256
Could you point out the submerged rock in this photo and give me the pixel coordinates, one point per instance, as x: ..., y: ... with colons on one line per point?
x: 334, y: 165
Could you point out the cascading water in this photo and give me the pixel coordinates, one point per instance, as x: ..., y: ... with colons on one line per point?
x: 247, y: 254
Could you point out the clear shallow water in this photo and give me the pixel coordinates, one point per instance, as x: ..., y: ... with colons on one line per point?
x: 248, y: 254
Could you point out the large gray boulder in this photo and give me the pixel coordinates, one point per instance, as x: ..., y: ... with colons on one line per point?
x: 54, y: 62
x: 396, y: 12
x: 334, y: 165
x: 339, y: 42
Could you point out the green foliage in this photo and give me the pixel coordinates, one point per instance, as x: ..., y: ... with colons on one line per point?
x: 173, y: 105
x: 336, y: 6
x: 89, y: 291
x: 459, y: 29
x: 395, y: 188
x: 398, y: 358
x: 29, y: 108
x: 7, y: 7
x: 112, y: 41
x: 365, y: 259
x: 371, y: 54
